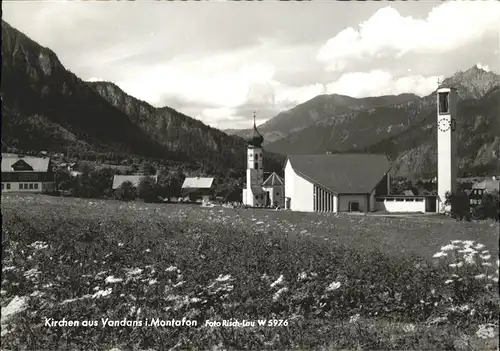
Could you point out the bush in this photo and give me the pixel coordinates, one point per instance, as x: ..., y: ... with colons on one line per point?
x: 126, y: 192
x: 148, y: 189
x: 489, y: 207
x: 460, y: 205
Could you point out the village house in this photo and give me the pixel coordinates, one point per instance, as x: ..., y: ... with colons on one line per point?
x: 199, y: 188
x: 27, y: 174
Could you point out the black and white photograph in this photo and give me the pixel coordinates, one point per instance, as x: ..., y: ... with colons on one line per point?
x: 250, y: 175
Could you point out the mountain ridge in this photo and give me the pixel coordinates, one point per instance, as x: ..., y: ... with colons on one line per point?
x: 59, y: 109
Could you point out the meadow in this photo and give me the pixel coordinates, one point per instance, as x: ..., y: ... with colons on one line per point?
x: 320, y: 281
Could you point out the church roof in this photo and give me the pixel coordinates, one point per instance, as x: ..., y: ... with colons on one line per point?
x: 257, y: 139
x: 273, y: 180
x: 342, y: 173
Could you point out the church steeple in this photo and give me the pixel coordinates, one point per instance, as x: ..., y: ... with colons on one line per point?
x: 257, y: 139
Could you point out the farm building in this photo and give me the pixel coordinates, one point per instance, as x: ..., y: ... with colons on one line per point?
x: 135, y: 179
x: 199, y: 188
x: 27, y: 174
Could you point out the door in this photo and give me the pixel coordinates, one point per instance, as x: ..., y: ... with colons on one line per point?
x: 353, y: 206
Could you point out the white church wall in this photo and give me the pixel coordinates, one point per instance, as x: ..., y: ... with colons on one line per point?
x: 299, y: 190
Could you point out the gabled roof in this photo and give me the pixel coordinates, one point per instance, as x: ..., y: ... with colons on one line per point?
x: 198, y: 183
x: 273, y: 180
x: 342, y: 173
x: 135, y: 179
x: 38, y: 164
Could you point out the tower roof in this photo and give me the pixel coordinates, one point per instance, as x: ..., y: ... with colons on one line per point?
x: 257, y: 139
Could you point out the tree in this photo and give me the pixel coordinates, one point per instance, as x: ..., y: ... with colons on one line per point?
x: 148, y: 189
x: 460, y: 205
x: 126, y: 192
x: 489, y: 207
x: 148, y: 169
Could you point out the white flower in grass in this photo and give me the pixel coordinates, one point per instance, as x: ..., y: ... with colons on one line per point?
x: 468, y: 250
x: 470, y: 260
x: 456, y: 265
x: 485, y: 257
x: 152, y: 281
x: 456, y: 241
x: 278, y: 293
x: 463, y: 308
x: 222, y: 278
x: 111, y: 280
x: 486, y: 331
x: 486, y: 264
x: 440, y: 254
x: 409, y: 328
x: 480, y: 276
x: 479, y: 246
x: 449, y: 281
x: 102, y: 293
x: 171, y: 269
x: 492, y: 277
x: 277, y: 281
x: 354, y: 319
x: 468, y: 242
x: 302, y: 276
x: 449, y: 247
x: 333, y: 286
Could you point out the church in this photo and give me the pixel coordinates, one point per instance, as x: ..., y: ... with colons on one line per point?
x: 259, y: 192
x: 351, y: 182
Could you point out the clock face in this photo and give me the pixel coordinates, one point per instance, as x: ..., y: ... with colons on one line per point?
x: 445, y: 125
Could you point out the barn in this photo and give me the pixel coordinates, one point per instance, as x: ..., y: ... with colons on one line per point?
x: 335, y: 182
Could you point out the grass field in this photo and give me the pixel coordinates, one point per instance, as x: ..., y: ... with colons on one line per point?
x: 318, y: 280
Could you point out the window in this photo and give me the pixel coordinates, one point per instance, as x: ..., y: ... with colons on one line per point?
x: 21, y: 186
x: 2, y: 186
x: 444, y: 103
x: 36, y: 185
x: 31, y: 185
x: 256, y: 165
x: 256, y: 157
x: 8, y: 186
x: 277, y: 193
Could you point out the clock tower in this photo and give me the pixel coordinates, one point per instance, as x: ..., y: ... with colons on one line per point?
x: 254, y: 195
x: 446, y: 145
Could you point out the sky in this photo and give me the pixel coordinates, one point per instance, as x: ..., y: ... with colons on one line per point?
x: 218, y: 61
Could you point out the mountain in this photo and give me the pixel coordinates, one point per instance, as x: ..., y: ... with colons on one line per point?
x: 317, y: 110
x: 414, y: 151
x: 46, y: 107
x: 383, y: 128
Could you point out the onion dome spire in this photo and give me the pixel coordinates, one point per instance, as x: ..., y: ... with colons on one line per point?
x: 257, y: 139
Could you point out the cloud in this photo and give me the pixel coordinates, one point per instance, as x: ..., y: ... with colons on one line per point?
x: 483, y: 67
x: 377, y: 83
x: 94, y: 79
x: 388, y: 34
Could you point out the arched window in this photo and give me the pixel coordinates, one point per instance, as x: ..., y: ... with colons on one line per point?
x: 256, y: 157
x: 256, y: 165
